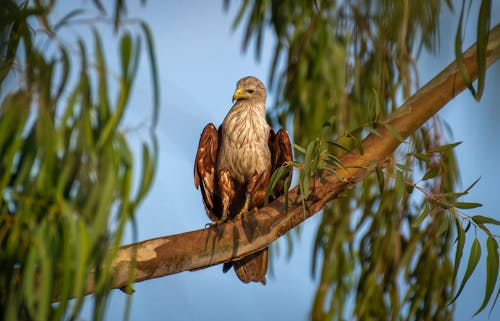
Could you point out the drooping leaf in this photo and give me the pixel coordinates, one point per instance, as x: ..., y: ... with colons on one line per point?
x: 393, y: 131
x: 431, y: 173
x: 460, y: 247
x: 491, y: 271
x: 422, y: 216
x: 466, y: 205
x: 475, y: 254
x: 479, y: 219
x: 445, y: 148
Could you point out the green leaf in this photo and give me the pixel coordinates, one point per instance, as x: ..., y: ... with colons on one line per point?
x: 103, y: 83
x: 338, y: 145
x: 376, y: 103
x: 479, y: 219
x: 422, y: 157
x: 422, y: 216
x: 277, y: 175
x: 373, y: 131
x: 431, y: 173
x: 154, y: 71
x: 147, y: 172
x: 404, y: 167
x: 471, y: 185
x: 380, y: 179
x: 491, y: 271
x: 483, y: 31
x: 126, y: 53
x: 393, y: 131
x: 474, y: 256
x: 444, y: 148
x: 460, y: 247
x: 299, y: 148
x: 458, y: 52
x: 286, y: 187
x: 66, y: 18
x: 466, y: 205
x: 371, y: 167
x: 127, y: 289
x: 358, y: 144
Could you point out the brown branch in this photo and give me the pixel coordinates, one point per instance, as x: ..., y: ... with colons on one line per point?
x: 202, y: 248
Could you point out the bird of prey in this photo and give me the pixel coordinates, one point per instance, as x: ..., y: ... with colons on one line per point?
x: 234, y: 164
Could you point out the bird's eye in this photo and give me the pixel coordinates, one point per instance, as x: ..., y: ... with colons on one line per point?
x: 250, y: 91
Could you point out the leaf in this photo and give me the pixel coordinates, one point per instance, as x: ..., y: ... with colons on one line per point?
x: 393, y: 131
x: 475, y: 254
x: 154, y: 72
x: 431, y: 173
x: 286, y: 187
x: 338, y: 145
x: 421, y: 157
x: 444, y: 148
x: 422, y: 216
x: 147, y: 172
x: 299, y: 148
x: 460, y: 247
x: 103, y: 83
x: 277, y: 175
x: 126, y: 52
x: 479, y: 219
x: 483, y: 31
x: 371, y: 167
x: 306, y: 172
x: 458, y: 52
x: 471, y: 185
x: 452, y: 196
x: 127, y: 289
x: 373, y: 131
x: 66, y: 18
x: 491, y: 271
x: 404, y: 167
x: 466, y: 205
x: 380, y: 179
x: 377, y: 102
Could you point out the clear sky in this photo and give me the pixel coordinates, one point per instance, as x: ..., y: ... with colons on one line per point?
x: 200, y: 60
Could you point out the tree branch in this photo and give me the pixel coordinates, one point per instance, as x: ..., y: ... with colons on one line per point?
x: 231, y: 240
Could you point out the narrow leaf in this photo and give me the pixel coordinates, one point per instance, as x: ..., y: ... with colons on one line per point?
x: 393, y: 131
x: 444, y: 148
x: 491, y: 271
x: 466, y: 205
x: 475, y: 254
x: 422, y: 157
x: 299, y: 148
x: 479, y: 219
x: 380, y: 179
x: 339, y: 146
x: 460, y: 247
x: 431, y: 173
x: 483, y: 32
x: 472, y: 185
x: 373, y: 131
x: 422, y: 216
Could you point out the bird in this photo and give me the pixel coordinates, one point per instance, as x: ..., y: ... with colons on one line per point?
x: 234, y: 164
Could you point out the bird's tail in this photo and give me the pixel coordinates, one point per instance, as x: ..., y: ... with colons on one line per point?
x: 251, y: 268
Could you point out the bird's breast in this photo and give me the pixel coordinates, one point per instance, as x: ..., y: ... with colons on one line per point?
x: 244, y: 146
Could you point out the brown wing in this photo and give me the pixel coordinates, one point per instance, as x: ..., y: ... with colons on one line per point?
x: 204, y: 168
x: 281, y: 152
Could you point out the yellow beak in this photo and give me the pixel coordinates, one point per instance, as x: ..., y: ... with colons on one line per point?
x: 239, y: 94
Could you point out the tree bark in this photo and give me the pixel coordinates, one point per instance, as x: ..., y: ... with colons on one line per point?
x: 232, y: 240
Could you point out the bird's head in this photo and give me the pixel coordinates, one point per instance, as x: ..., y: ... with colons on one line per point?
x: 250, y: 88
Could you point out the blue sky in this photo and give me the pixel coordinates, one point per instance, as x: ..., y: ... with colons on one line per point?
x: 200, y: 60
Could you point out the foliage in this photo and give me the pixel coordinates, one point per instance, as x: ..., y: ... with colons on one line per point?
x: 339, y: 69
x: 66, y: 190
